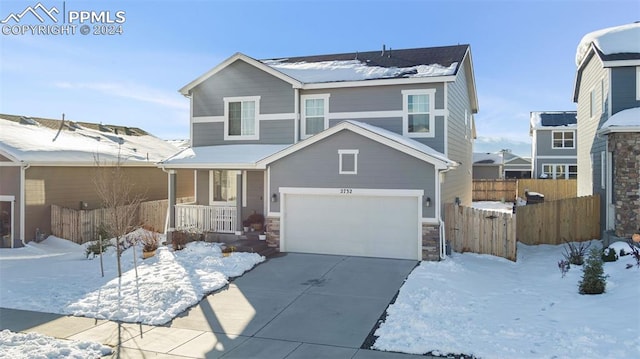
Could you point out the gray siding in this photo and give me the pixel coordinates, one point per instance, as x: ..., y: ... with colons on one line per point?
x: 202, y: 187
x: 271, y: 132
x: 379, y: 167
x: 553, y: 161
x: 10, y: 186
x: 623, y: 89
x: 242, y: 79
x: 486, y: 172
x: 544, y: 143
x: 458, y: 182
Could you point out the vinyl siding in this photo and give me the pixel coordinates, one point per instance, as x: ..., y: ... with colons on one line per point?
x: 255, y: 193
x: 589, y: 146
x: 10, y: 186
x: 379, y: 167
x: 544, y: 141
x: 68, y: 186
x: 486, y: 172
x: 458, y: 182
x: 552, y: 161
x: 202, y: 187
x: 236, y: 80
x: 623, y: 89
x: 271, y: 132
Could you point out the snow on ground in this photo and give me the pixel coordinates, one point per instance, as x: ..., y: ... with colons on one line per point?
x: 498, y: 206
x: 55, y: 276
x: 490, y: 307
x: 34, y: 345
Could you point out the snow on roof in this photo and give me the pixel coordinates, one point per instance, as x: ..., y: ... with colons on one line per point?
x: 480, y: 158
x: 404, y: 141
x: 554, y: 119
x: 224, y: 155
x: 35, y: 143
x: 354, y: 70
x: 623, y: 121
x: 612, y: 40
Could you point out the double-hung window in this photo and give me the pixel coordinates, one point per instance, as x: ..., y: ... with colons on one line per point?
x: 315, y: 113
x: 563, y: 139
x: 241, y: 118
x: 418, y: 109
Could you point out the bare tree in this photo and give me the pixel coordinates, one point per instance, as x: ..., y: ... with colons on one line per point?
x: 119, y: 198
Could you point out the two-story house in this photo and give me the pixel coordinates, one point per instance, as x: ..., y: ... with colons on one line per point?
x: 349, y: 153
x: 607, y: 94
x: 553, y: 144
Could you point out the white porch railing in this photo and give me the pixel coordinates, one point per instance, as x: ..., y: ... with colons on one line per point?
x: 200, y: 218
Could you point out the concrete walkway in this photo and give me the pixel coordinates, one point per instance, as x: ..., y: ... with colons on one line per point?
x: 293, y: 306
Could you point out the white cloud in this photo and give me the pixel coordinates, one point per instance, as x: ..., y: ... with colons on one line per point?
x: 130, y: 91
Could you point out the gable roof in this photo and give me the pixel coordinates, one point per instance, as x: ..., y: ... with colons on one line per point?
x: 357, y: 68
x: 388, y: 138
x: 49, y: 142
x: 222, y: 156
x: 547, y: 120
x: 487, y: 159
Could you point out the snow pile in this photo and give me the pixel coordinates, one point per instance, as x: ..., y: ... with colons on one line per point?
x: 490, y: 307
x: 612, y: 40
x: 33, y: 345
x: 166, y: 285
x: 506, y: 207
x: 354, y: 70
x: 35, y: 143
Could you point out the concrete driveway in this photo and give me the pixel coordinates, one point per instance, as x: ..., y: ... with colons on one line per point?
x: 292, y: 306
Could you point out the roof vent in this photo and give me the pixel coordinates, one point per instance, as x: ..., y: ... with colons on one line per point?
x: 28, y: 121
x: 384, y: 48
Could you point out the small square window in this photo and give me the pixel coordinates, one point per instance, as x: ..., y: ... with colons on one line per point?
x: 348, y: 162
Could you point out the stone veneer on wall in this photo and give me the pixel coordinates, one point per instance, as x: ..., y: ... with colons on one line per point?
x: 626, y: 181
x: 430, y: 242
x: 273, y: 232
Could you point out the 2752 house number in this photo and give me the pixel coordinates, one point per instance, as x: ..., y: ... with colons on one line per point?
x: 346, y: 190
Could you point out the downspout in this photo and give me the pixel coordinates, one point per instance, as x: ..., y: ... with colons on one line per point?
x: 443, y: 242
x: 296, y: 110
x: 23, y: 171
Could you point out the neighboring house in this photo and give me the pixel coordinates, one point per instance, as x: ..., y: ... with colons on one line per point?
x: 502, y: 164
x: 553, y: 144
x: 607, y: 93
x: 515, y: 166
x: 343, y: 154
x: 45, y: 162
x: 487, y: 166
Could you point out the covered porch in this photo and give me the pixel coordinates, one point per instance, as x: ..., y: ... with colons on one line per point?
x: 230, y: 189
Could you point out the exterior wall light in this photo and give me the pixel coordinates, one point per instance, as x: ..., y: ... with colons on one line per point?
x: 274, y: 197
x: 427, y: 202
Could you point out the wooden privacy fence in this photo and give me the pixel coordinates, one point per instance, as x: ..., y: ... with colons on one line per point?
x: 81, y: 226
x: 509, y: 189
x: 571, y: 220
x: 480, y: 231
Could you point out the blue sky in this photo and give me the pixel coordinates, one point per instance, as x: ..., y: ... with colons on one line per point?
x: 523, y: 53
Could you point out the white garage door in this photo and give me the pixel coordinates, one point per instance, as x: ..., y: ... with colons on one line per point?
x: 353, y: 223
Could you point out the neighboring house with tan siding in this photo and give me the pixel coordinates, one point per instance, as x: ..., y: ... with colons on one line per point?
x: 45, y: 162
x: 352, y: 153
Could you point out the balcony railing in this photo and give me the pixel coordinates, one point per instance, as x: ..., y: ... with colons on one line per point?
x: 221, y: 219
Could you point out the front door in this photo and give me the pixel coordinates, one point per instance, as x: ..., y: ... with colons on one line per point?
x: 6, y: 221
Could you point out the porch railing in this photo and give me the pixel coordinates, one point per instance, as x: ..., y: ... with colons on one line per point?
x: 201, y: 218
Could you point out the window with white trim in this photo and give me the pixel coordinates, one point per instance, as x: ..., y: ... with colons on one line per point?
x: 222, y: 187
x: 241, y: 118
x: 348, y: 162
x: 315, y: 114
x: 563, y: 139
x: 592, y: 103
x: 558, y: 171
x: 418, y: 108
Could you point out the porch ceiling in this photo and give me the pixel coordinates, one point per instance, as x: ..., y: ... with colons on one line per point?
x: 224, y: 156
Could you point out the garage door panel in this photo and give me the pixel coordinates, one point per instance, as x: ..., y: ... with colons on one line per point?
x: 377, y: 226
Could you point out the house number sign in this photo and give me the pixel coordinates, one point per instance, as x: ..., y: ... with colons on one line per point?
x: 346, y: 190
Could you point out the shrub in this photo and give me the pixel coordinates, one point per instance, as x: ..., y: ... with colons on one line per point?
x: 574, y: 254
x: 179, y: 240
x: 94, y: 249
x: 149, y: 241
x: 635, y: 252
x: 593, y: 279
x: 609, y: 255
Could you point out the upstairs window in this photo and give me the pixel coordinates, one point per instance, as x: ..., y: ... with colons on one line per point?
x: 241, y: 118
x: 563, y: 139
x: 418, y: 109
x: 315, y: 111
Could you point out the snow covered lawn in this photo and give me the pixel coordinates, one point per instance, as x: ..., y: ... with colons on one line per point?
x: 56, y: 277
x: 490, y: 307
x: 34, y: 345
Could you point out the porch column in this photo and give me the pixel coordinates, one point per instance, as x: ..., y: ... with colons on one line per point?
x: 171, y: 195
x: 239, y: 195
